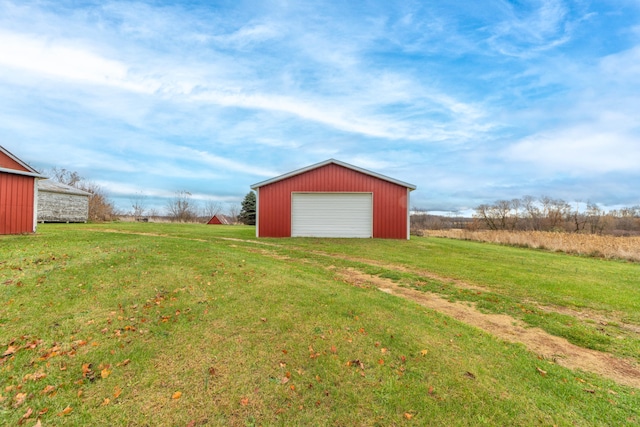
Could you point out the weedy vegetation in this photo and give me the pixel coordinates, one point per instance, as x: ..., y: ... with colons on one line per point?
x: 594, y: 245
x: 193, y: 325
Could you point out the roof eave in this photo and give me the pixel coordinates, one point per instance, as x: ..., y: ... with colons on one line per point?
x: 19, y: 172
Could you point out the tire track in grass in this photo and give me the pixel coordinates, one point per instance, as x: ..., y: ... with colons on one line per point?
x: 536, y: 340
x: 550, y: 347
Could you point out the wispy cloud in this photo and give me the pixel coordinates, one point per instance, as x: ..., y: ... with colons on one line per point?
x: 466, y: 101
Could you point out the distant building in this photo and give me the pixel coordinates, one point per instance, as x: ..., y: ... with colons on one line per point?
x: 61, y: 203
x: 333, y: 199
x: 219, y: 219
x: 18, y: 194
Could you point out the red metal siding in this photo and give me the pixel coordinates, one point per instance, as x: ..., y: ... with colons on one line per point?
x: 389, y: 200
x: 8, y: 163
x: 16, y: 203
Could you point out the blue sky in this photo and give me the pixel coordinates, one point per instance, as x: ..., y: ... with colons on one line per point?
x: 472, y: 101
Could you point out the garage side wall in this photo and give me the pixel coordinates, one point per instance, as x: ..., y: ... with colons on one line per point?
x: 389, y: 200
x: 16, y: 203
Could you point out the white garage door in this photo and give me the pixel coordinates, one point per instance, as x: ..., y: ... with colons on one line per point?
x: 332, y: 215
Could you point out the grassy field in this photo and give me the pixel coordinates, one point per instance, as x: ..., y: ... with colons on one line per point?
x: 594, y: 245
x: 192, y: 325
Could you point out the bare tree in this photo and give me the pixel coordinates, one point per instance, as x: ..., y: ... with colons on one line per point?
x: 100, y: 207
x: 181, y: 208
x: 211, y: 209
x: 138, y: 205
x: 554, y: 211
x: 532, y: 213
x: 65, y: 176
x: 234, y: 212
x: 486, y: 214
x: 578, y: 218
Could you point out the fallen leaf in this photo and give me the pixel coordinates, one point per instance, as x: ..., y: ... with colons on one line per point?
x: 590, y: 391
x: 35, y: 376
x: 543, y: 373
x: 106, y: 401
x: 19, y: 399
x: 469, y: 375
x: 65, y: 411
x: 86, y: 369
x: 37, y: 424
x: 125, y: 362
x: 244, y: 401
x: 408, y: 415
x: 284, y: 380
x: 117, y: 391
x: 192, y: 423
x: 9, y: 351
x: 380, y: 362
x: 48, y: 389
x: 26, y: 416
x: 105, y: 373
x: 176, y: 395
x: 334, y: 349
x: 424, y: 352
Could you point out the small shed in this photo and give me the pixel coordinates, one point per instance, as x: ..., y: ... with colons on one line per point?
x: 18, y: 194
x: 219, y: 219
x: 333, y: 199
x: 61, y: 203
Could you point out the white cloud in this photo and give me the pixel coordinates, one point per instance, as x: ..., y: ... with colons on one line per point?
x: 65, y: 60
x: 582, y: 150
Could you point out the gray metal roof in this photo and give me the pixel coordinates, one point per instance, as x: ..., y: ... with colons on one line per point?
x: 336, y: 162
x: 56, y: 187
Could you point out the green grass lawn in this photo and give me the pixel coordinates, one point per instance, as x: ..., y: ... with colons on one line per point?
x: 176, y: 325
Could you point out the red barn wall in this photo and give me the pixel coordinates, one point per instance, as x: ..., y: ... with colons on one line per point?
x: 16, y: 203
x: 389, y: 200
x: 8, y: 163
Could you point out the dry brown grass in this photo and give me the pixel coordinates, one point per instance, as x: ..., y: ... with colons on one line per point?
x: 582, y: 244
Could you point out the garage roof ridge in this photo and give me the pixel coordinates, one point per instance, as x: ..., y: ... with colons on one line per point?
x: 339, y: 163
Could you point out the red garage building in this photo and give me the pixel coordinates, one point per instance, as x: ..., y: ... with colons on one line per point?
x: 18, y: 195
x: 333, y: 199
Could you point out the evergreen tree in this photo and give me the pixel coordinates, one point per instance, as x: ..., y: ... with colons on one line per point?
x: 248, y: 212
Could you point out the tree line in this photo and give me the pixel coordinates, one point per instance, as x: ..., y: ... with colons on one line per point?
x: 180, y: 208
x: 549, y: 214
